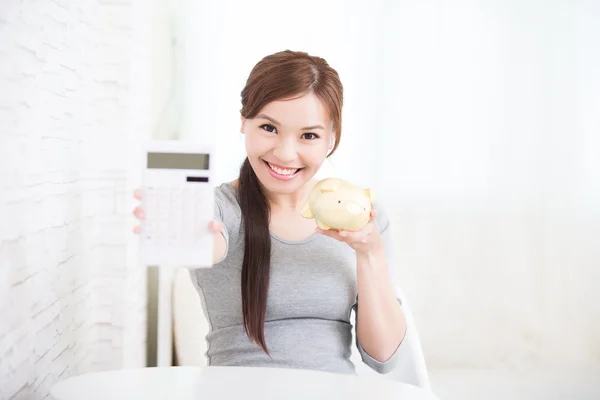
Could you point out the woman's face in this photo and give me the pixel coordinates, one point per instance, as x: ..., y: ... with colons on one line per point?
x: 288, y: 141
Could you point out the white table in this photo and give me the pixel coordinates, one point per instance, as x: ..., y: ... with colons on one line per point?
x: 239, y: 383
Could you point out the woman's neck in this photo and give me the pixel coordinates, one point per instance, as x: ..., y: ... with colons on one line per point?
x: 292, y: 201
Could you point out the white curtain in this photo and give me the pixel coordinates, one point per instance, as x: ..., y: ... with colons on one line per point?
x: 477, y: 124
x: 491, y: 137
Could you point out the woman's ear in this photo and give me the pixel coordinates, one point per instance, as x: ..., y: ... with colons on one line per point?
x: 331, y: 143
x: 243, y: 124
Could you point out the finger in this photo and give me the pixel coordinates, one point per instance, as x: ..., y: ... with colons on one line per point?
x: 354, y: 237
x: 136, y: 230
x: 216, y: 226
x: 373, y: 215
x: 137, y: 194
x: 139, y: 213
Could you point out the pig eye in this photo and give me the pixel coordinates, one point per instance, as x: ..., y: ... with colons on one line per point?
x: 339, y: 201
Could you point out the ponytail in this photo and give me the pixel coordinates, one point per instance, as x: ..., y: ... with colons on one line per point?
x: 257, y: 254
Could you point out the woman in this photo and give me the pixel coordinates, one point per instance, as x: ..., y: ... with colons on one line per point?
x: 281, y: 291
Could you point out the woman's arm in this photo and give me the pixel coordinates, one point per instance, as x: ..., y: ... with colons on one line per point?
x: 380, y: 323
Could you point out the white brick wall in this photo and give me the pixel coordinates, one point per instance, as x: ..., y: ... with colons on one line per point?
x: 72, y: 298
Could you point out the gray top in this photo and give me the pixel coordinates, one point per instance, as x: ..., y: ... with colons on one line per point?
x: 312, y: 292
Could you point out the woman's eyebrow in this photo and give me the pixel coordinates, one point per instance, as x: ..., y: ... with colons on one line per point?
x: 313, y: 127
x: 277, y: 123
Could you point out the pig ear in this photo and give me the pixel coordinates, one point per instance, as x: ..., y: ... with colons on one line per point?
x: 371, y: 195
x: 306, y: 212
x: 330, y: 185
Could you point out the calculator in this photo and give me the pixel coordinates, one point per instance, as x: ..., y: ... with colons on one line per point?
x: 178, y: 204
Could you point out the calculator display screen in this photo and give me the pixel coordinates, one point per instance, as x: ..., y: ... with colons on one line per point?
x: 177, y: 161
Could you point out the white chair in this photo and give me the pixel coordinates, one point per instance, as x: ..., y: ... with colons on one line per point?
x: 411, y: 367
x: 190, y: 328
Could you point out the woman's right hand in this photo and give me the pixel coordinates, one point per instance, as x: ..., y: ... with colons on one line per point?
x: 216, y: 227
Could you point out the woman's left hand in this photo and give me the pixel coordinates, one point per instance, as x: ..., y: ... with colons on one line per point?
x: 364, y: 241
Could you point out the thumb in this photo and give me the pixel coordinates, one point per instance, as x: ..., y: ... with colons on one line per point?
x: 216, y: 226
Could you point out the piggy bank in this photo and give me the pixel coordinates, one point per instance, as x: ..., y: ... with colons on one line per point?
x: 337, y: 204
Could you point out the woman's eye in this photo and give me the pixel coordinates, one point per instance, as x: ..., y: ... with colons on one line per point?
x: 269, y: 128
x: 310, y: 136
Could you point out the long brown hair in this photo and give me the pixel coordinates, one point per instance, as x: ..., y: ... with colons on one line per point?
x: 278, y: 76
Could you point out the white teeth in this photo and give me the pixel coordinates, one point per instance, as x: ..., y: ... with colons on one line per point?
x: 282, y: 171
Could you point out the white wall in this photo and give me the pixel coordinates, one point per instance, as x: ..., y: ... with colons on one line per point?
x: 496, y: 185
x: 232, y: 36
x: 477, y: 123
x: 72, y: 298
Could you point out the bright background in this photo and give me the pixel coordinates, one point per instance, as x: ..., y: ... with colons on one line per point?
x: 477, y: 124
x: 475, y: 121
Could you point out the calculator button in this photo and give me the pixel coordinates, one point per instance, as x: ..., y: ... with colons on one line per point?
x: 162, y: 215
x: 162, y: 238
x: 174, y: 232
x: 199, y: 195
x: 176, y: 195
x: 176, y: 206
x: 187, y: 239
x: 188, y: 223
x: 150, y: 211
x: 174, y: 240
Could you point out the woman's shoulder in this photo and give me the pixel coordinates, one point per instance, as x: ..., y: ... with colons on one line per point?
x: 227, y: 210
x: 225, y: 195
x: 227, y: 207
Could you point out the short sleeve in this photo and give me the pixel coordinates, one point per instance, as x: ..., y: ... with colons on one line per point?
x: 385, y: 232
x: 219, y: 215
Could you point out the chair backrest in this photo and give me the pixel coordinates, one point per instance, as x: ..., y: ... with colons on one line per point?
x: 190, y: 326
x: 412, y: 367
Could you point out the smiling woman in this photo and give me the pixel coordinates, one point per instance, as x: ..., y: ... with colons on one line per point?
x: 289, y: 148
x: 281, y: 171
x: 281, y: 293
x: 278, y: 137
x: 284, y: 92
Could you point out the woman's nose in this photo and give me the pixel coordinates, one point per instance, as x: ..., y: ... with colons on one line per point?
x: 285, y: 150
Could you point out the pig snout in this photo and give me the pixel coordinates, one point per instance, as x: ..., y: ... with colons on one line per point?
x: 353, y: 208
